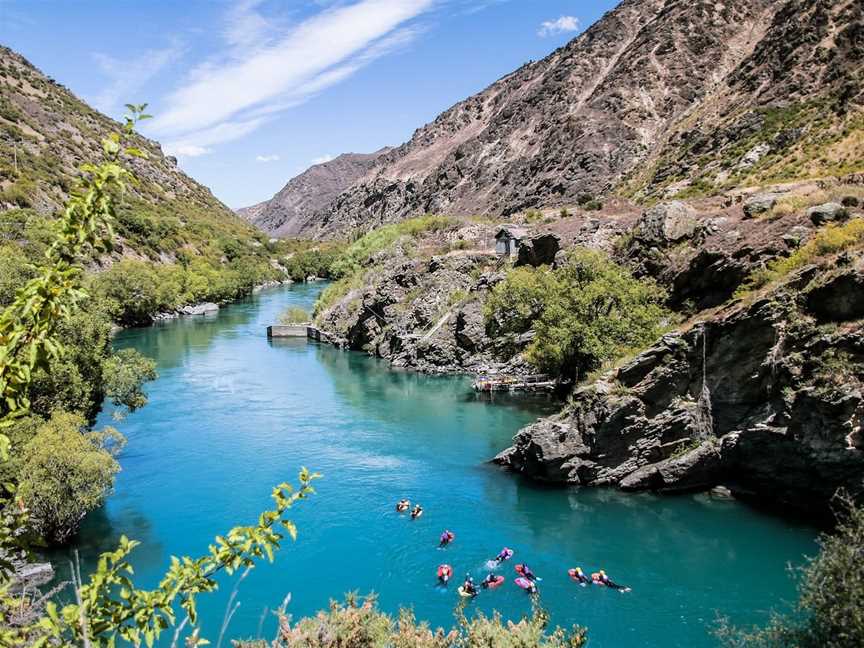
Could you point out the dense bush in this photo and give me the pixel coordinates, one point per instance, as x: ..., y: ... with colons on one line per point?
x: 587, y: 312
x: 132, y: 291
x: 311, y: 263
x: 123, y: 374
x: 66, y: 472
x: 830, y: 609
x: 294, y: 315
x: 361, y: 625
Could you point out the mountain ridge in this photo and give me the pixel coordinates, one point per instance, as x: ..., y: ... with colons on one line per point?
x: 656, y: 99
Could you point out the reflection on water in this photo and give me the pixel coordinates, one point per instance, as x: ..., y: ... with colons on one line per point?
x: 232, y: 414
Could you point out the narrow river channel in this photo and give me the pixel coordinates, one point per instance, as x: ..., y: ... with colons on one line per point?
x: 232, y: 414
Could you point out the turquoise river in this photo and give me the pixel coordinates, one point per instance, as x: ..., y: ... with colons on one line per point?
x: 232, y: 414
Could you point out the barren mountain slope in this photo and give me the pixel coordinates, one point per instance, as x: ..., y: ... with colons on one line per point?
x: 289, y: 212
x: 573, y: 123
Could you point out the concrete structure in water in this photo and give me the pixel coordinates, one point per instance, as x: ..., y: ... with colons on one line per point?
x: 282, y: 331
x: 297, y: 331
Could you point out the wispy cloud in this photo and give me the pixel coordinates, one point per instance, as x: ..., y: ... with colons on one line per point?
x: 561, y: 25
x: 128, y: 76
x: 321, y: 160
x: 187, y: 150
x: 267, y: 67
x: 267, y: 158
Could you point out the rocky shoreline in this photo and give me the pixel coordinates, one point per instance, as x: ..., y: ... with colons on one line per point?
x: 765, y: 399
x: 762, y: 397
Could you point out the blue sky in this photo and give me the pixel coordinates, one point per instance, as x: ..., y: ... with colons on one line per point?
x: 249, y: 93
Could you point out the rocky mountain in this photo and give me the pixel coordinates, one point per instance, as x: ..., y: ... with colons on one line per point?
x: 46, y: 133
x: 660, y: 98
x: 292, y: 211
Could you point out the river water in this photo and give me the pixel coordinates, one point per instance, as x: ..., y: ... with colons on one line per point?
x: 232, y: 414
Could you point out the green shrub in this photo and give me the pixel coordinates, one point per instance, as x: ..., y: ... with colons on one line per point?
x: 357, y: 624
x: 294, y: 315
x: 585, y: 313
x: 593, y: 205
x: 124, y: 373
x: 65, y: 473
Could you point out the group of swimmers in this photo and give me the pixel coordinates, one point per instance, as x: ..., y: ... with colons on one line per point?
x: 404, y: 504
x: 527, y: 579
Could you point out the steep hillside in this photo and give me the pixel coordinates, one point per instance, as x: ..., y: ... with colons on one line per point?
x: 176, y: 244
x: 660, y: 98
x: 291, y: 211
x: 46, y: 133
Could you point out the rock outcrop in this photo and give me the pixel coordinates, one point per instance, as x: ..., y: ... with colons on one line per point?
x: 763, y: 399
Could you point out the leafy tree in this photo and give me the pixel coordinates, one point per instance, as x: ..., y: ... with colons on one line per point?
x: 294, y: 315
x: 65, y: 473
x: 516, y: 303
x: 830, y: 608
x: 124, y: 373
x: 587, y: 312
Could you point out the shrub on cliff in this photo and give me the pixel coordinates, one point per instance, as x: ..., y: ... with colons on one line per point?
x: 830, y: 608
x: 585, y: 313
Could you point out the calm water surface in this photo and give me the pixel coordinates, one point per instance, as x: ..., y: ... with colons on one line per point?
x: 232, y: 414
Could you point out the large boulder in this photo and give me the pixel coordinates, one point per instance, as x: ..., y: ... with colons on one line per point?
x: 838, y: 299
x: 668, y: 223
x: 759, y: 204
x: 539, y: 250
x: 827, y: 213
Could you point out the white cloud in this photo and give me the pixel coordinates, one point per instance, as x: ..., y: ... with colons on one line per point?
x: 127, y: 77
x: 267, y: 158
x: 321, y: 160
x: 561, y: 25
x: 186, y: 150
x: 266, y: 69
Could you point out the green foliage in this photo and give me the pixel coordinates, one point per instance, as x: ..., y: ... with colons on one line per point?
x: 830, y: 608
x: 363, y: 249
x: 361, y: 625
x: 294, y: 315
x: 593, y: 205
x: 66, y: 472
x: 516, y: 303
x: 132, y: 291
x: 585, y: 313
x: 312, y: 263
x: 124, y: 373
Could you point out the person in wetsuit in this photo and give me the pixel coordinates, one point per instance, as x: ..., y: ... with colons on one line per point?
x: 469, y: 586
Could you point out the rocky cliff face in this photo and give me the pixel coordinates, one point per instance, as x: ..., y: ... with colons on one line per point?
x: 765, y: 398
x: 292, y: 211
x: 658, y: 99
